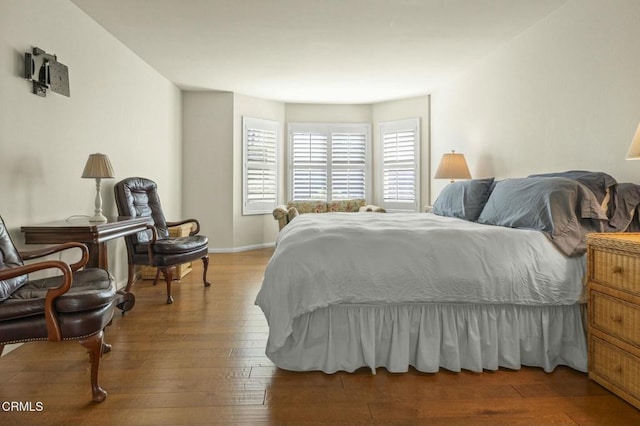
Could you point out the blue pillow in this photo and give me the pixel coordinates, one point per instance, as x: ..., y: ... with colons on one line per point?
x: 463, y: 199
x: 563, y: 209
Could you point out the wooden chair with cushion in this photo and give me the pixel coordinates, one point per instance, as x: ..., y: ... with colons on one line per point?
x: 76, y: 304
x: 138, y: 197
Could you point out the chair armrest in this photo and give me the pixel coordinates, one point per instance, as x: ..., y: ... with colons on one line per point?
x: 35, y: 254
x: 292, y: 212
x: 280, y: 214
x: 279, y: 211
x: 194, y: 231
x: 154, y: 238
x: 53, y: 327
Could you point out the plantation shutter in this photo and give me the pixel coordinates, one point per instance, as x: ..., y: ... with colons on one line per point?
x: 309, y: 154
x: 348, y: 160
x: 400, y: 171
x: 328, y: 162
x: 260, y: 139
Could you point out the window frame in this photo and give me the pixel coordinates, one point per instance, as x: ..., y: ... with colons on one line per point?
x: 263, y: 206
x: 328, y: 129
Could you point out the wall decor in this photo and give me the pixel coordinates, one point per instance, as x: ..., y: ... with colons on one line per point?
x: 44, y: 70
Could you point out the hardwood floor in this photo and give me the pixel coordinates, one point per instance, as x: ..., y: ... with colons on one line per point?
x: 201, y: 361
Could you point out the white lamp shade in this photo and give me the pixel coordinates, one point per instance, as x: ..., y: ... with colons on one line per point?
x: 634, y: 149
x: 453, y: 166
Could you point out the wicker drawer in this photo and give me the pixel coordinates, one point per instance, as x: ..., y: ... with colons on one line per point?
x: 615, y: 367
x: 616, y: 317
x: 617, y: 269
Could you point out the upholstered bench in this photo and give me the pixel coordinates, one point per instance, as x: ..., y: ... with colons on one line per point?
x: 285, y: 214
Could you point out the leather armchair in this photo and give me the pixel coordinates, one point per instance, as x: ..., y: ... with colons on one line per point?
x: 77, y: 304
x: 138, y: 197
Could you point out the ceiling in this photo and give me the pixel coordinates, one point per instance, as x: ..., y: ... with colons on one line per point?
x: 315, y: 51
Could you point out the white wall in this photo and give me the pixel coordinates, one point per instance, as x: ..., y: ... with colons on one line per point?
x: 207, y: 176
x: 118, y: 106
x: 563, y: 95
x: 328, y: 113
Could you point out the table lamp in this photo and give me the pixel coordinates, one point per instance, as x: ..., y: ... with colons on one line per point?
x: 453, y: 166
x: 98, y: 167
x: 634, y: 149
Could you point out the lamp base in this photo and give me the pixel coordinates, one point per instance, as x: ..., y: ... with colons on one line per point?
x: 98, y: 218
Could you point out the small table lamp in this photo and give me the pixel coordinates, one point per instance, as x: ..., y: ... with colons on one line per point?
x: 634, y: 149
x: 98, y: 167
x: 453, y: 166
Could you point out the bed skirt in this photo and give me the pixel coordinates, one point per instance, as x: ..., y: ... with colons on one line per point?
x: 430, y: 336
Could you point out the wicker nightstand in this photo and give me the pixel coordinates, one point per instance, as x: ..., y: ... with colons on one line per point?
x: 614, y: 313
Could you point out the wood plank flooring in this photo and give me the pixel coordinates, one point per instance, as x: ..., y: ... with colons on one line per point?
x: 201, y: 361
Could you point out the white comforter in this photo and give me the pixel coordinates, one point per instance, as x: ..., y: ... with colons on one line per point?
x: 374, y: 258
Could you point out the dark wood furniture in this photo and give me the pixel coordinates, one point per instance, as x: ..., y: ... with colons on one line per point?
x: 77, y: 304
x: 94, y: 235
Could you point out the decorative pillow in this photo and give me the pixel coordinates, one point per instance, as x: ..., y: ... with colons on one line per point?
x: 371, y: 208
x: 463, y: 199
x: 562, y: 208
x: 601, y: 184
x: 312, y: 206
x: 345, y: 205
x: 628, y: 201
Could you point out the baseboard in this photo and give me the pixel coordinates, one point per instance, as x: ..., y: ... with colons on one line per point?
x: 241, y: 248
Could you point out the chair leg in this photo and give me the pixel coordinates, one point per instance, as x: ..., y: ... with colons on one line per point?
x: 1, y: 349
x: 93, y: 344
x: 205, y: 262
x: 168, y: 276
x: 155, y: 280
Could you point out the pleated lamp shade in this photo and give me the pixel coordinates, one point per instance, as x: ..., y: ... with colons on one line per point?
x: 98, y: 166
x: 453, y: 166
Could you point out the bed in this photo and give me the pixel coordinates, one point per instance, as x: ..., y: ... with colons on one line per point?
x: 493, y: 278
